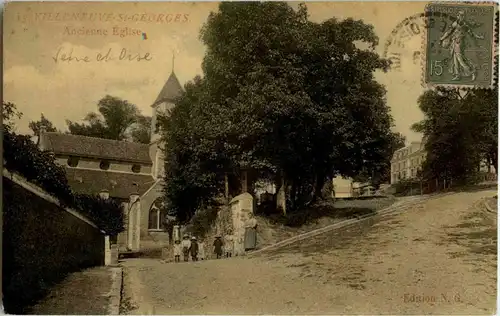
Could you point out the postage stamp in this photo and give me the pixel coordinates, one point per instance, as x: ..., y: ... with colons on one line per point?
x: 459, y: 46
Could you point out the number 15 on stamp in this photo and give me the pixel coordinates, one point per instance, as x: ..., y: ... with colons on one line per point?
x: 460, y: 47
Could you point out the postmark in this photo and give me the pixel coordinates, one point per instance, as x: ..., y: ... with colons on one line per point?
x: 460, y: 50
x: 405, y: 41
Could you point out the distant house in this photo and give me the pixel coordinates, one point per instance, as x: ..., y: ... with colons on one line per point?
x: 363, y: 189
x: 342, y: 187
x: 120, y: 169
x: 407, y: 161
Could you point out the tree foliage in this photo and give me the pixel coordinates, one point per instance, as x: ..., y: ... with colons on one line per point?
x: 22, y: 156
x: 280, y: 95
x: 461, y: 131
x: 35, y: 126
x: 116, y: 119
x: 378, y: 172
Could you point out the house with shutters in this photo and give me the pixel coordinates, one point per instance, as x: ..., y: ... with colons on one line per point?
x: 129, y: 172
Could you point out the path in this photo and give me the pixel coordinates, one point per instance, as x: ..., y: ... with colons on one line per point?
x: 94, y: 291
x: 438, y: 258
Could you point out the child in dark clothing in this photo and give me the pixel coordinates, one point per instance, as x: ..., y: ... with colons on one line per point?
x: 218, y: 247
x: 194, y: 249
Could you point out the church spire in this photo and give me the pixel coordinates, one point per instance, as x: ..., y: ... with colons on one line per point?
x: 172, y: 88
x: 173, y: 61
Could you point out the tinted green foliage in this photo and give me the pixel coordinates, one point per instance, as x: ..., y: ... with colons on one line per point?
x: 36, y: 125
x: 22, y: 156
x: 461, y: 130
x: 280, y: 94
x: 117, y: 119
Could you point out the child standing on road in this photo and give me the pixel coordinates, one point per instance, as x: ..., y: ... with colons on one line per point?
x: 177, y: 251
x: 186, y: 245
x: 201, y: 250
x: 194, y: 249
x: 228, y: 246
x: 218, y: 247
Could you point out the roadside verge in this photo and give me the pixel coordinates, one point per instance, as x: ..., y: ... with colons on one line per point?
x: 393, y: 209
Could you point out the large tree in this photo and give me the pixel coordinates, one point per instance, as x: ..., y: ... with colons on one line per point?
x: 116, y: 119
x: 461, y: 130
x: 283, y: 96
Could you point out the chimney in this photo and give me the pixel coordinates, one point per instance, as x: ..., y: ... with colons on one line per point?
x: 104, y: 194
x: 41, y: 137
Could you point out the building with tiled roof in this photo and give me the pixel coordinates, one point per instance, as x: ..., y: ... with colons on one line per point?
x: 122, y: 170
x: 93, y: 147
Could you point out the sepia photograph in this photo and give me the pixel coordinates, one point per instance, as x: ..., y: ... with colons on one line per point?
x: 250, y: 158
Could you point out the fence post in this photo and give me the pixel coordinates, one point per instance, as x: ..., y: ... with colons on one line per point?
x: 107, y: 251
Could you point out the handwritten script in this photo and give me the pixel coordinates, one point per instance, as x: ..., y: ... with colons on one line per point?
x: 69, y: 56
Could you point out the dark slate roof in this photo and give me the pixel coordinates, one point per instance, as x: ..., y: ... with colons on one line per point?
x: 170, y: 91
x: 119, y: 184
x: 85, y: 146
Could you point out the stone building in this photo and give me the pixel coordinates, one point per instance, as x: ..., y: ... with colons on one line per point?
x: 407, y: 161
x: 127, y: 171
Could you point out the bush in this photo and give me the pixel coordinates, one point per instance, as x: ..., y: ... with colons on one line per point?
x: 407, y: 187
x: 202, y: 221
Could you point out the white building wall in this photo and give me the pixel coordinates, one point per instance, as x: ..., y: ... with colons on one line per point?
x: 407, y: 161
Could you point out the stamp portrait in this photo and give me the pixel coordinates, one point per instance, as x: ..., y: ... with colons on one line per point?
x: 459, y: 50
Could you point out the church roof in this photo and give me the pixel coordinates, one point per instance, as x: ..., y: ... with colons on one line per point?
x: 119, y: 184
x: 170, y: 91
x: 84, y: 146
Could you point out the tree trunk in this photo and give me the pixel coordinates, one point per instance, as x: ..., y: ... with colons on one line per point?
x: 494, y: 160
x: 318, y: 187
x: 226, y: 187
x: 281, y: 193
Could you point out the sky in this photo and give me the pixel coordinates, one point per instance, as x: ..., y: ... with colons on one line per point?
x: 39, y: 79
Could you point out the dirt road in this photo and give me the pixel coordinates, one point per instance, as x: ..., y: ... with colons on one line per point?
x: 438, y: 258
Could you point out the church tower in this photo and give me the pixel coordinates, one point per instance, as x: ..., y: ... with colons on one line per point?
x: 163, y: 103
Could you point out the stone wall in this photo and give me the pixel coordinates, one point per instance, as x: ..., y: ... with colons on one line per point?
x: 42, y: 242
x: 241, y: 207
x: 231, y: 220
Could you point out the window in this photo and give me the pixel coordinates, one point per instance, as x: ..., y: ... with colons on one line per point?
x: 104, y: 165
x: 136, y: 168
x: 156, y: 216
x: 73, y: 161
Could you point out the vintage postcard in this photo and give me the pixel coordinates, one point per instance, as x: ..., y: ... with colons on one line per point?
x: 250, y: 157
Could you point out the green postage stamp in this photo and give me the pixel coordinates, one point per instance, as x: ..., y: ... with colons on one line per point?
x: 460, y: 44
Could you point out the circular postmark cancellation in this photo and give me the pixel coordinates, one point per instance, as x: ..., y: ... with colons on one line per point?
x: 412, y: 28
x: 461, y: 52
x: 440, y: 62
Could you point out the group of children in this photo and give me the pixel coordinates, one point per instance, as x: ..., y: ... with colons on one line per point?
x: 196, y: 249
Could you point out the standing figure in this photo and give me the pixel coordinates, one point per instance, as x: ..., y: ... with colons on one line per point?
x: 218, y: 247
x: 454, y: 38
x: 250, y: 232
x: 186, y: 245
x: 201, y: 250
x: 194, y: 249
x: 229, y: 246
x: 177, y: 251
